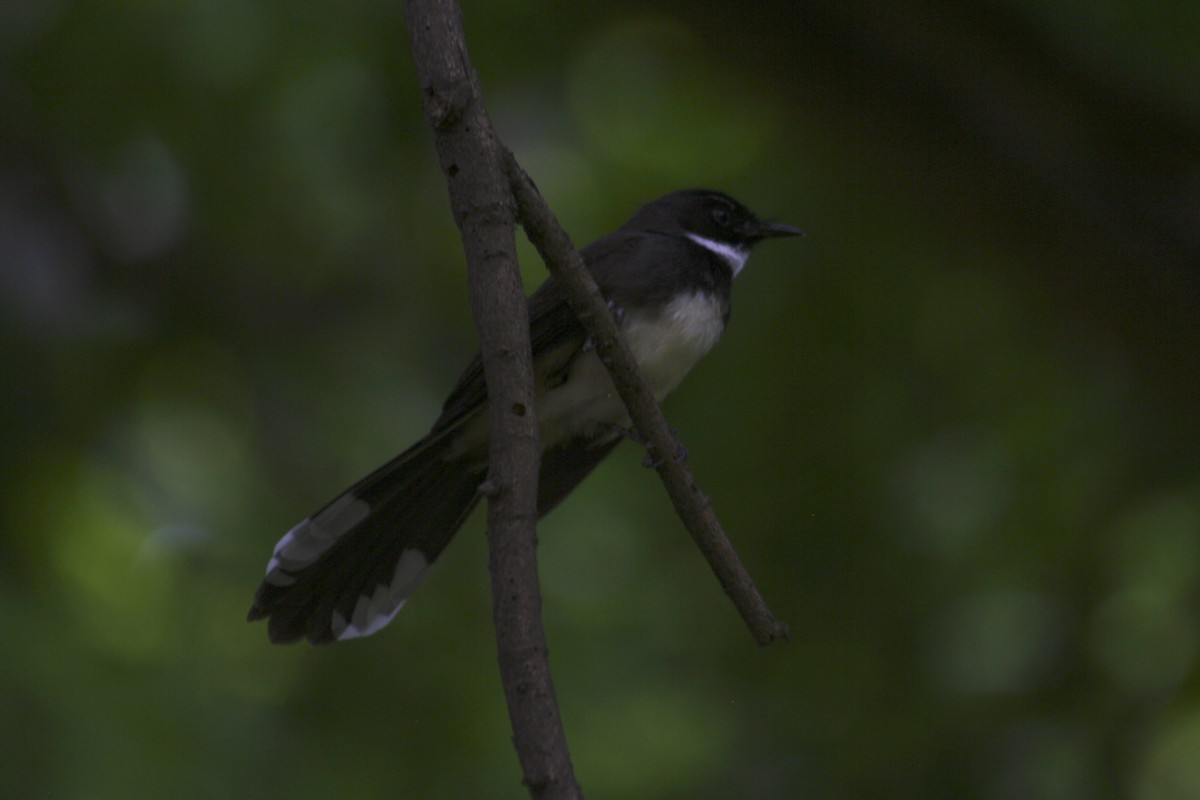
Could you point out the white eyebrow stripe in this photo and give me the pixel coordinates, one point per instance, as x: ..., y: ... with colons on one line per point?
x: 735, y: 257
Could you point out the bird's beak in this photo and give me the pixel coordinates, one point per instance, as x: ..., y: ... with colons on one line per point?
x: 773, y: 230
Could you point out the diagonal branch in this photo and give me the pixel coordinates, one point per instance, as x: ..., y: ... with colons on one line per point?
x: 472, y: 160
x: 692, y: 505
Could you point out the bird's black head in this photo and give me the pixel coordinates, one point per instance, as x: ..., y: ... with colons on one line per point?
x: 710, y: 214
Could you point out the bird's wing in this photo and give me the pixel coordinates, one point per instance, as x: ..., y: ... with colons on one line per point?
x: 555, y: 334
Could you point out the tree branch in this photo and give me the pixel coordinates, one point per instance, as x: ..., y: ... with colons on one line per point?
x: 692, y: 505
x: 473, y: 162
x: 483, y: 178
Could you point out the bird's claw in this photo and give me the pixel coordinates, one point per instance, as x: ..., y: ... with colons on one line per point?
x: 618, y: 310
x: 651, y: 460
x: 681, y: 454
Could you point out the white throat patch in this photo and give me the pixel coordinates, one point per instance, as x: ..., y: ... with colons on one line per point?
x: 735, y: 257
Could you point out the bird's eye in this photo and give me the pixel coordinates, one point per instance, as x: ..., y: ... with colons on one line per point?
x: 721, y: 216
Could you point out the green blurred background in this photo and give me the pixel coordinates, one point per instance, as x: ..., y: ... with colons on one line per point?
x: 953, y: 432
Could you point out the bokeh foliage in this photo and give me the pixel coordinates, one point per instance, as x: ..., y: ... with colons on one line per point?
x: 953, y: 432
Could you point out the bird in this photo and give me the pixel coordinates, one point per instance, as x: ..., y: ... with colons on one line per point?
x: 667, y: 274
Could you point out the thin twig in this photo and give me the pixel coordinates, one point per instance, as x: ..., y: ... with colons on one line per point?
x: 692, y: 505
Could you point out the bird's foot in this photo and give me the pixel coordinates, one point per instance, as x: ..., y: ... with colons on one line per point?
x: 651, y: 460
x: 618, y: 312
x: 654, y: 462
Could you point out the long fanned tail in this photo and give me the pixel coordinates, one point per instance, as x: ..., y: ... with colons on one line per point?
x: 345, y: 571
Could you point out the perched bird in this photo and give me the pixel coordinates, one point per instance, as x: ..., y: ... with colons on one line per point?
x: 667, y: 273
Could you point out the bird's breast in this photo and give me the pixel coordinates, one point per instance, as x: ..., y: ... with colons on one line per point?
x: 667, y: 342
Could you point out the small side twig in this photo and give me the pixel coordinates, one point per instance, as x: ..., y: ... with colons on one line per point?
x: 692, y: 505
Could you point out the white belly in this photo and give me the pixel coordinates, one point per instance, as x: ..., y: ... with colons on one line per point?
x: 666, y: 346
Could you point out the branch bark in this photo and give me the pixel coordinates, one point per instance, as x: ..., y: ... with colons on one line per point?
x: 691, y: 504
x: 473, y: 163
